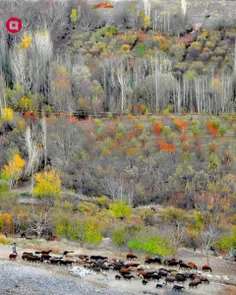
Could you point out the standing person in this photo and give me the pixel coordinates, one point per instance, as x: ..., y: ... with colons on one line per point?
x: 14, y: 249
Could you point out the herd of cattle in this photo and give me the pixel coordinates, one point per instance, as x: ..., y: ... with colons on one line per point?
x: 129, y: 270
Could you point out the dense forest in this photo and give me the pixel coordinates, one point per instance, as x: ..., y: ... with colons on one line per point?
x: 157, y: 95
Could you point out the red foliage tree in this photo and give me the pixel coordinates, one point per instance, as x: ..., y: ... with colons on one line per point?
x: 157, y: 129
x: 131, y: 134
x: 112, y: 129
x: 141, y: 109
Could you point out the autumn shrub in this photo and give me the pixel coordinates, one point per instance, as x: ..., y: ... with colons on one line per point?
x: 195, y: 130
x: 213, y: 127
x: 26, y: 41
x: 83, y: 230
x: 194, y: 50
x: 197, y: 66
x: 168, y: 109
x: 206, y: 55
x: 7, y: 114
x: 121, y: 236
x: 157, y: 128
x: 73, y: 15
x: 178, y: 50
x: 166, y: 130
x: 180, y: 67
x: 212, y: 147
x: 87, y: 208
x: 151, y: 243
x: 222, y: 130
x: 25, y: 104
x: 213, y: 161
x: 4, y: 240
x: 202, y: 37
x: 228, y: 243
x: 3, y: 187
x: 120, y: 210
x: 167, y: 147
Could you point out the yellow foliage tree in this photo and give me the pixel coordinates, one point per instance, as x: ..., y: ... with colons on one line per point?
x: 25, y: 103
x: 26, y: 41
x: 11, y: 172
x: 73, y: 15
x: 146, y: 21
x: 48, y: 184
x: 7, y: 114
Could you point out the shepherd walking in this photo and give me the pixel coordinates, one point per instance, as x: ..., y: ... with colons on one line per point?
x: 14, y: 249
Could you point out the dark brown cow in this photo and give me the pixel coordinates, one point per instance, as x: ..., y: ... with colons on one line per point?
x: 170, y: 280
x: 12, y: 256
x: 192, y: 265
x: 131, y: 256
x: 194, y: 284
x: 206, y: 268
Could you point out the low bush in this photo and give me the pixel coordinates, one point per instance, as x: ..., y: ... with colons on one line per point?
x: 4, y: 240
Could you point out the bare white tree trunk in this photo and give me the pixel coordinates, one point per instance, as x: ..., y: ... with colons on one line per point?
x: 2, y: 93
x: 44, y: 127
x: 184, y: 7
x: 235, y: 57
x: 33, y: 156
x: 123, y: 78
x: 209, y: 236
x: 146, y: 7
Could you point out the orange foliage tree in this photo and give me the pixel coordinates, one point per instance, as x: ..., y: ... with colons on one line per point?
x: 212, y: 129
x: 181, y: 125
x: 141, y: 109
x: 131, y: 134
x: 104, y: 4
x: 157, y: 128
x: 167, y: 147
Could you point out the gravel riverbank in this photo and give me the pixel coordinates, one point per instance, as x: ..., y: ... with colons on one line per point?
x: 24, y: 278
x: 34, y: 280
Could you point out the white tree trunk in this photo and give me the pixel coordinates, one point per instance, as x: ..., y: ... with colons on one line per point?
x: 44, y: 127
x: 184, y: 7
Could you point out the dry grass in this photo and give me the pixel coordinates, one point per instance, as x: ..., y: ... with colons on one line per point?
x: 227, y: 291
x: 4, y: 240
x: 40, y: 245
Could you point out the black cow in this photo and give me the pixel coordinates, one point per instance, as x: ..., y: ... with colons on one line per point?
x: 178, y: 288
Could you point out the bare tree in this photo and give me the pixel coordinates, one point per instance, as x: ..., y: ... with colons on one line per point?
x: 209, y: 235
x: 2, y: 92
x: 39, y: 222
x: 34, y: 156
x: 88, y: 18
x: 44, y: 139
x: 41, y: 53
x: 60, y: 87
x: 19, y: 64
x: 123, y: 77
x: 64, y: 142
x: 113, y: 186
x: 176, y: 225
x: 184, y: 6
x: 54, y: 16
